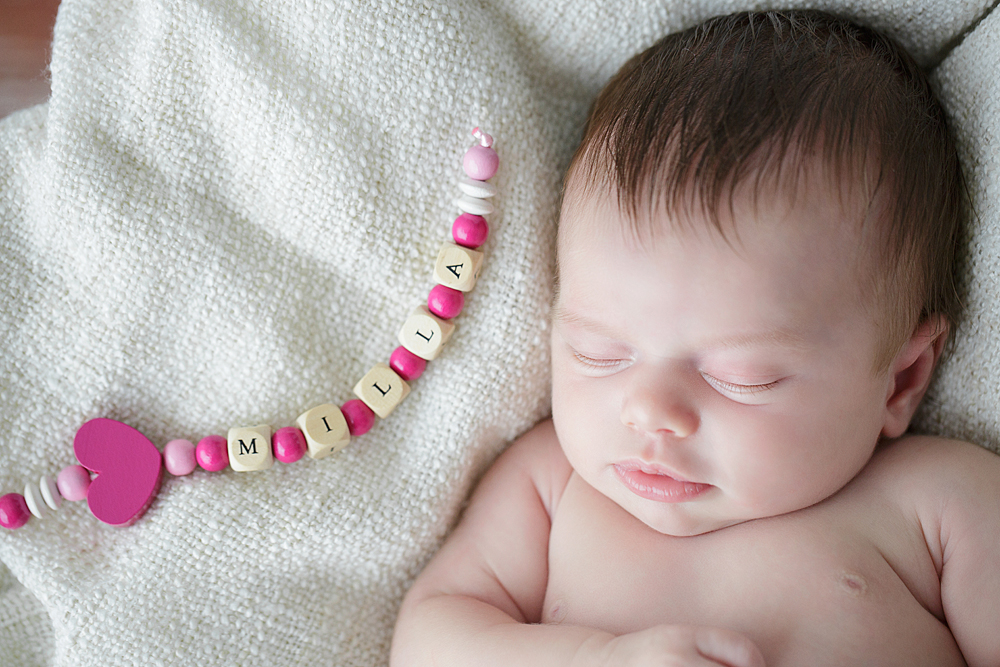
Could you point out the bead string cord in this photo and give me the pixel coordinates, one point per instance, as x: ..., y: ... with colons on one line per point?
x: 120, y: 470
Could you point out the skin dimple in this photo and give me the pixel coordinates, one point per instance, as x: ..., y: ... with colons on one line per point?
x: 557, y: 612
x: 853, y: 584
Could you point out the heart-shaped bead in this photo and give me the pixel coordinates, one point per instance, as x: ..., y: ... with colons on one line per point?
x: 128, y: 467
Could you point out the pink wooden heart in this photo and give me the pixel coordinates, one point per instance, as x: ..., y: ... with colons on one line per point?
x: 128, y: 469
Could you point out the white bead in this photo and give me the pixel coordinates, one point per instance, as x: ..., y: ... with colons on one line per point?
x: 50, y: 492
x: 474, y: 205
x: 33, y: 497
x: 474, y: 188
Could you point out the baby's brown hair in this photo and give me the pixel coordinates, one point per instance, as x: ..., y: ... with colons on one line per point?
x: 744, y: 98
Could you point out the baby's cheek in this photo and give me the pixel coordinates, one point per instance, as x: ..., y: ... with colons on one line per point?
x: 771, y: 468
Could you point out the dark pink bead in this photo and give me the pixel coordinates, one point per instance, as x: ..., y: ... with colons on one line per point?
x: 289, y: 444
x: 480, y: 162
x: 359, y: 416
x: 14, y: 511
x: 470, y: 230
x: 212, y: 453
x: 445, y: 302
x: 406, y: 364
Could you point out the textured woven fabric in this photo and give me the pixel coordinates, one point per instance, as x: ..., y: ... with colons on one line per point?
x: 223, y: 216
x: 964, y: 401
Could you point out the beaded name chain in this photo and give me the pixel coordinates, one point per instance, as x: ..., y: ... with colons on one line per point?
x: 120, y: 470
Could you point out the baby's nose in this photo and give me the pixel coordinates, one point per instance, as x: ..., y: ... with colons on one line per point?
x: 659, y: 407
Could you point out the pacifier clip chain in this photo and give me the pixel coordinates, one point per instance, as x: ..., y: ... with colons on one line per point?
x: 120, y: 470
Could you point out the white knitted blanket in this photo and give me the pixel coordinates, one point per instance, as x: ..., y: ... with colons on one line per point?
x: 223, y: 216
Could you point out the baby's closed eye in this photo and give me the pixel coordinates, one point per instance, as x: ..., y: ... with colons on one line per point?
x: 742, y: 391
x: 600, y: 363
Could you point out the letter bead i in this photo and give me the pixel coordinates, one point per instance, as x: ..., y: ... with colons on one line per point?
x: 325, y: 430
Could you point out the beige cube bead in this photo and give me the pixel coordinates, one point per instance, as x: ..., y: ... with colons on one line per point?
x: 381, y: 389
x: 250, y: 448
x: 458, y: 267
x: 325, y: 430
x: 424, y: 333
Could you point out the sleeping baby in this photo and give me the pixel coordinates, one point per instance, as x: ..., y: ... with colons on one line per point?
x: 756, y: 280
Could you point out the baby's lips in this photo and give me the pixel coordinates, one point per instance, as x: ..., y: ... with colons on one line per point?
x: 658, y: 486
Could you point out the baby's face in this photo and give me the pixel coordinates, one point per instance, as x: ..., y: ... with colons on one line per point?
x: 700, y: 384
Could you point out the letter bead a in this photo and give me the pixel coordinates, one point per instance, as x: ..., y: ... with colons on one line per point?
x: 458, y: 267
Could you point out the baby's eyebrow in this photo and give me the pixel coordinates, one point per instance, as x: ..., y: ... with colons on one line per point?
x: 560, y: 315
x: 781, y: 337
x: 786, y: 337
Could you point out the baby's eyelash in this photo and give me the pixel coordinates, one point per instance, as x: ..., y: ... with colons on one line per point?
x: 596, y: 363
x: 742, y: 389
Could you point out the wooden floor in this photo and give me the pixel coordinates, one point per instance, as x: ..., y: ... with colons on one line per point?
x: 25, y: 37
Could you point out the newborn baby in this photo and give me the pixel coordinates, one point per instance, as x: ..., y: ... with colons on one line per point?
x: 755, y: 255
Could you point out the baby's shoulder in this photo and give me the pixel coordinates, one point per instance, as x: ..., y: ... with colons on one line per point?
x: 929, y: 464
x: 538, y: 456
x: 946, y: 483
x: 954, y: 488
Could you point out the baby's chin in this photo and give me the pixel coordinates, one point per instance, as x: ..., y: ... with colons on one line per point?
x: 681, y: 519
x: 690, y: 527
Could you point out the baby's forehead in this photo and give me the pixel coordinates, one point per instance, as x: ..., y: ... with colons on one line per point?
x: 795, y: 193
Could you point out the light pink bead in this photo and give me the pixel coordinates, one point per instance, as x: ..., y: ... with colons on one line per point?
x: 445, y: 302
x: 289, y: 444
x: 406, y: 364
x: 470, y: 230
x: 73, y: 482
x: 14, y: 511
x: 480, y: 162
x: 212, y: 453
x: 359, y: 416
x: 178, y: 457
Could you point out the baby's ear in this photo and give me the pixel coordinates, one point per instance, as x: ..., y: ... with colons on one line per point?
x: 911, y: 372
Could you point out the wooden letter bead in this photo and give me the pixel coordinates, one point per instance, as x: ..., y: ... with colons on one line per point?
x: 424, y: 334
x: 381, y: 389
x: 325, y: 429
x: 458, y: 267
x: 250, y: 448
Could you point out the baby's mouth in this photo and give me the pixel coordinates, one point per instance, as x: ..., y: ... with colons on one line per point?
x: 655, y: 483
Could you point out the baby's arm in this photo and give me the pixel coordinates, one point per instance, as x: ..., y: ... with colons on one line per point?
x: 479, y: 601
x: 962, y: 529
